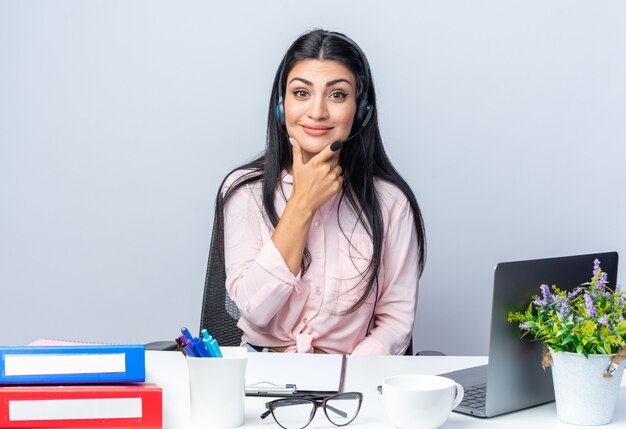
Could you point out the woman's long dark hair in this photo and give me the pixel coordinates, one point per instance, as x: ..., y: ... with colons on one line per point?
x: 360, y: 162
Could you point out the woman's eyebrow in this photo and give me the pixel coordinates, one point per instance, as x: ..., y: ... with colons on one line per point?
x: 329, y: 83
x: 336, y: 81
x: 306, y: 82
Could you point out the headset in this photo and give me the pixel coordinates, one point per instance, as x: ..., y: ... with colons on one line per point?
x: 364, y: 108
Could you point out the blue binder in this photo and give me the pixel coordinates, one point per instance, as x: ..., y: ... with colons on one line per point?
x: 75, y: 364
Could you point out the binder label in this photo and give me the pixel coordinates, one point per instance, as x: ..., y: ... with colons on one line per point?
x: 29, y: 364
x: 75, y: 409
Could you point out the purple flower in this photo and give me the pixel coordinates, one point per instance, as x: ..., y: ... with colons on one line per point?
x: 596, y: 266
x: 604, y: 320
x: 602, y: 281
x: 524, y: 326
x: 574, y: 293
x: 591, y: 309
x: 565, y: 310
x: 545, y: 291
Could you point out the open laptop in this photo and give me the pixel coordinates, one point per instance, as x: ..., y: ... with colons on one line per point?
x: 514, y: 379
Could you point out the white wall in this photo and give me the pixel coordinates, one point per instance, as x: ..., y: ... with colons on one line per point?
x: 118, y: 120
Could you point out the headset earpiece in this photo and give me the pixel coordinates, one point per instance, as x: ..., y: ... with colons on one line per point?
x: 280, y: 109
x: 280, y: 104
x: 364, y: 112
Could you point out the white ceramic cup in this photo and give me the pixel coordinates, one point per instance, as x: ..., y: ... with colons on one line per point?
x: 416, y: 401
x: 217, y: 389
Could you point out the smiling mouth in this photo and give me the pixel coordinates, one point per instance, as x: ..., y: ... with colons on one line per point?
x: 316, y: 130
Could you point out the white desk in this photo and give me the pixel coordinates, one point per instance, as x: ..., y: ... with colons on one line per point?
x: 363, y: 374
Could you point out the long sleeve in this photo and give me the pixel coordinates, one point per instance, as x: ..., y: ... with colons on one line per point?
x: 258, y: 279
x: 395, y: 311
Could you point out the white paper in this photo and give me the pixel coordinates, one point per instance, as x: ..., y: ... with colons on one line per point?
x: 308, y: 371
x: 29, y: 364
x: 74, y: 409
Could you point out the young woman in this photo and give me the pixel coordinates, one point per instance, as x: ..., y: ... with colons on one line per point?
x: 323, y: 240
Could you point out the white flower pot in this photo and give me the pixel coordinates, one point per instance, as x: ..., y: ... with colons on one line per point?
x: 583, y: 395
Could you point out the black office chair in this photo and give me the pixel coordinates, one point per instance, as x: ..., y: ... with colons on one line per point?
x: 219, y: 313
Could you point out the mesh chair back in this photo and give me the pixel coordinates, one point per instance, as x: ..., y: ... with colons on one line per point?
x: 219, y: 313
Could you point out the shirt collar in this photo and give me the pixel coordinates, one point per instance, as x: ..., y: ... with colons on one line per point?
x: 286, y: 177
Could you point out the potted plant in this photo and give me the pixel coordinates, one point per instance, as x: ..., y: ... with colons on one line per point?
x: 584, y: 337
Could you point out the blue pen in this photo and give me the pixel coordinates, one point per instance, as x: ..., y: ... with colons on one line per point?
x: 211, y: 344
x: 216, y: 348
x: 200, y: 348
x: 186, y: 333
x: 218, y: 352
x: 197, y: 346
x: 206, y: 340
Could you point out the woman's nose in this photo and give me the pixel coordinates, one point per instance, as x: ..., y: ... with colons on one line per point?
x: 318, y: 109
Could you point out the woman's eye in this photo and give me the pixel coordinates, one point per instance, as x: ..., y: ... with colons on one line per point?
x: 338, y: 95
x: 299, y: 93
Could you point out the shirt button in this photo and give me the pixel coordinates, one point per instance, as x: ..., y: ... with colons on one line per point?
x: 317, y: 223
x: 304, y: 320
x: 318, y: 255
x: 247, y: 308
x: 318, y: 292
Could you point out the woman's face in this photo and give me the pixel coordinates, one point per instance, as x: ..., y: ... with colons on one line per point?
x: 320, y: 103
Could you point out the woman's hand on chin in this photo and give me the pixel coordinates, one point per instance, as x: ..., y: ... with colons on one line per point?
x: 317, y: 180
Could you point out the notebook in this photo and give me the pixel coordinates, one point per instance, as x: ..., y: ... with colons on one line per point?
x: 513, y: 378
x: 293, y: 374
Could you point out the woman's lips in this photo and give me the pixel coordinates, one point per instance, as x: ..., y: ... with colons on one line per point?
x: 315, y: 131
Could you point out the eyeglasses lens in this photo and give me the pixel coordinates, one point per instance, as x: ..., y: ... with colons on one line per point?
x: 342, y: 409
x: 293, y: 413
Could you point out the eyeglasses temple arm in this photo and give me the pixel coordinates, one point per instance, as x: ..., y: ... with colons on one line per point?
x: 336, y: 411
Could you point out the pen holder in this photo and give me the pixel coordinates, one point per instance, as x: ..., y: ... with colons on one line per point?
x: 217, y: 389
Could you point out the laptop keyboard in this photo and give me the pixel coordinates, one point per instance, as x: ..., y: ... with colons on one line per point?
x: 474, y: 396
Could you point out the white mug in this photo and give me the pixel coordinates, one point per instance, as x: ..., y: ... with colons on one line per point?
x: 417, y: 401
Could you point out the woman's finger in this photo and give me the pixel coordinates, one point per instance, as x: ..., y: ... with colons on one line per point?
x: 297, y: 152
x: 326, y: 153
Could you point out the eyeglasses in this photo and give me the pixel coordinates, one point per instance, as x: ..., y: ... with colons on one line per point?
x: 297, y: 413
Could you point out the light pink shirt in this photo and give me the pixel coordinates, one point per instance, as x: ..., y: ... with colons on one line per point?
x: 301, y: 312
